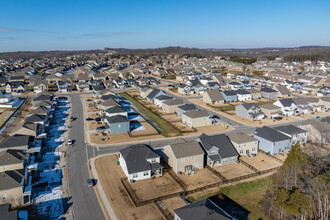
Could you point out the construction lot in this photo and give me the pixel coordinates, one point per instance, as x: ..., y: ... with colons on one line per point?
x: 139, y: 199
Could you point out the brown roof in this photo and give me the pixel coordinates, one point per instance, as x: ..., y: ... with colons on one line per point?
x: 240, y: 138
x: 186, y: 149
x: 173, y: 102
x: 196, y: 114
x: 283, y: 90
x: 11, y: 179
x: 12, y: 157
x: 269, y: 106
x: 215, y: 95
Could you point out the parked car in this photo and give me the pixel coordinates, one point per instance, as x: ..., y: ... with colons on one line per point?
x: 90, y: 182
x: 97, y: 119
x: 101, y: 128
x: 70, y: 142
x: 89, y: 119
x: 89, y: 100
x: 216, y: 117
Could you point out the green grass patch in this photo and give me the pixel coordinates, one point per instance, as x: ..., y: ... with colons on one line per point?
x: 226, y: 108
x: 164, y: 128
x: 248, y: 195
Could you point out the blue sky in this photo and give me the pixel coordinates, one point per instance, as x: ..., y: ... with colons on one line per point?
x: 79, y: 24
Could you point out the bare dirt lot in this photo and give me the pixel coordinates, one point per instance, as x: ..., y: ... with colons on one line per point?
x: 201, y: 178
x: 92, y: 125
x: 99, y: 138
x: 153, y: 188
x: 233, y: 170
x: 261, y: 162
x: 174, y: 203
x: 110, y: 174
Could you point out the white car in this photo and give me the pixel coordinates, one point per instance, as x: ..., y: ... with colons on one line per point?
x: 70, y: 142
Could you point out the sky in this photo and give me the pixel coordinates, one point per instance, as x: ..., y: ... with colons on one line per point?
x: 34, y: 25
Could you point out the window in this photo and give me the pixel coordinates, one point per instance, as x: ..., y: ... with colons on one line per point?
x: 224, y: 160
x: 119, y: 126
x: 4, y: 196
x: 197, y: 164
x: 253, y: 149
x: 182, y: 160
x: 202, y: 156
x: 145, y: 173
x: 135, y: 175
x: 193, y: 158
x: 153, y: 160
x: 241, y: 151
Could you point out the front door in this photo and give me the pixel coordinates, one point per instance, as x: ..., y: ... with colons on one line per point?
x: 188, y: 168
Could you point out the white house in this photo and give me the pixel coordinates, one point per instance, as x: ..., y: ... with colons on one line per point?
x: 287, y: 106
x: 5, y: 98
x: 140, y: 162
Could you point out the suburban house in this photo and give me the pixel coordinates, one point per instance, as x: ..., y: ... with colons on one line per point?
x: 160, y: 99
x: 63, y: 86
x: 243, y: 95
x: 153, y: 94
x: 218, y: 207
x: 271, y: 111
x: 17, y: 142
x: 40, y: 86
x: 108, y: 104
x: 272, y: 141
x: 296, y: 134
x: 12, y: 160
x: 184, y: 157
x: 256, y: 94
x: 116, y: 124
x: 288, y: 107
x: 170, y: 106
x: 15, y: 86
x: 83, y: 86
x: 5, y: 98
x: 116, y: 110
x: 244, y: 144
x: 229, y: 96
x: 12, y: 187
x: 249, y: 111
x: 213, y: 97
x: 268, y: 93
x: 185, y: 89
x: 185, y: 108
x: 145, y: 91
x: 283, y: 92
x: 140, y: 162
x: 219, y: 150
x: 197, y: 118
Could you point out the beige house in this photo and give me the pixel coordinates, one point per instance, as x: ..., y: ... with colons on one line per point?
x: 244, y: 144
x: 26, y: 128
x: 11, y: 187
x: 170, y: 106
x: 256, y: 94
x: 40, y: 86
x: 213, y: 97
x: 108, y: 104
x: 196, y: 118
x: 12, y: 160
x: 184, y: 157
x: 283, y: 92
x: 271, y: 110
x: 145, y: 91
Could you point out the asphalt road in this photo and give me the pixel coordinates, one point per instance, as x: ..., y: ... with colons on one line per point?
x: 84, y: 200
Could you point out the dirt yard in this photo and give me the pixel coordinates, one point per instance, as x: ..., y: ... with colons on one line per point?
x: 4, y: 115
x: 174, y: 203
x: 96, y: 138
x: 153, y: 188
x: 92, y: 125
x: 116, y: 194
x: 201, y: 178
x: 261, y: 162
x: 231, y: 171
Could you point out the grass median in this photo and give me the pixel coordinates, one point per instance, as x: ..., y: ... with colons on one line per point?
x: 164, y: 127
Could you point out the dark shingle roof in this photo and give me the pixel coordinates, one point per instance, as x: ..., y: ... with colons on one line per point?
x: 268, y: 90
x: 221, y: 141
x: 186, y: 149
x: 16, y: 141
x: 187, y: 107
x: 12, y: 157
x: 11, y: 179
x: 136, y: 157
x: 271, y: 134
x: 116, y: 109
x: 117, y: 119
x: 290, y: 129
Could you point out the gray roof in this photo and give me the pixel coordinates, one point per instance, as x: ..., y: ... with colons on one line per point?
x: 116, y: 109
x: 229, y: 93
x: 6, y: 213
x: 290, y: 129
x: 12, y: 157
x: 269, y: 106
x: 186, y: 149
x: 203, y: 209
x: 16, y: 141
x: 116, y: 119
x: 283, y: 90
x: 187, y: 107
x: 35, y: 118
x: 271, y: 134
x: 248, y: 106
x: 136, y: 158
x: 196, y: 114
x: 163, y: 97
x: 11, y: 179
x: 215, y: 95
x: 109, y: 102
x: 220, y: 141
x: 268, y: 90
x: 153, y: 93
x: 286, y: 102
x: 242, y: 92
x: 241, y: 138
x: 173, y: 102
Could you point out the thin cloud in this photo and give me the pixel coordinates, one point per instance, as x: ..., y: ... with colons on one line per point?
x: 5, y: 30
x: 9, y: 38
